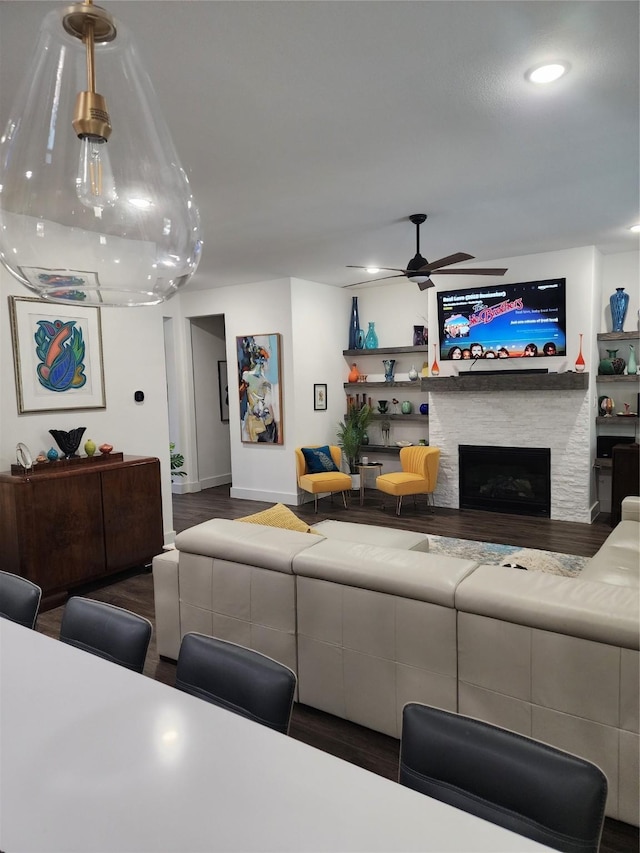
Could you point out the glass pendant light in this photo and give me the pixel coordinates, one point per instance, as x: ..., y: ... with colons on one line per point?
x: 94, y: 204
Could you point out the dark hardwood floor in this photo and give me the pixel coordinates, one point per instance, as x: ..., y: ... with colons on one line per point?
x: 375, y: 752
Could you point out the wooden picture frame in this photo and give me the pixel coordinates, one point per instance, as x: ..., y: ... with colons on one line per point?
x: 260, y: 386
x: 223, y: 391
x: 57, y: 355
x: 320, y: 397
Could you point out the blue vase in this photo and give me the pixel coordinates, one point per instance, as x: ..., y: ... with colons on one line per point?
x: 619, y: 302
x: 371, y: 339
x: 389, y: 367
x: 354, y: 324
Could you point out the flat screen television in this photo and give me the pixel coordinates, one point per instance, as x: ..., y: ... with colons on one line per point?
x: 503, y: 320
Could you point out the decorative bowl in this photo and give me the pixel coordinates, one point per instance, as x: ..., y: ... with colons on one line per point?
x: 404, y: 443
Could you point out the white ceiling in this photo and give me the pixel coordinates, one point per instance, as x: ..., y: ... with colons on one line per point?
x: 311, y: 130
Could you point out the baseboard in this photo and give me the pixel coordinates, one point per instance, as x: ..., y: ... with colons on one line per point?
x: 270, y: 497
x: 217, y: 480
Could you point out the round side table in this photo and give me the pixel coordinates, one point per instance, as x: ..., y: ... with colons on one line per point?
x: 362, y: 470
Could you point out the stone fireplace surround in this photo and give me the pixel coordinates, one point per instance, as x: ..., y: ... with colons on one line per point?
x: 557, y: 419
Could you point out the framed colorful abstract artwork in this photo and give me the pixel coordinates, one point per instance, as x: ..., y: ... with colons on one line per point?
x: 57, y: 354
x: 260, y: 386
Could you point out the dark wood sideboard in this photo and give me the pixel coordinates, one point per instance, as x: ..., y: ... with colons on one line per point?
x: 624, y: 477
x: 74, y: 521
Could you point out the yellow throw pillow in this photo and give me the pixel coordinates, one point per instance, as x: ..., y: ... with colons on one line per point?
x: 278, y: 516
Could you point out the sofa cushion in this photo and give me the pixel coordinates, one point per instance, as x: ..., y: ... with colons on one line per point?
x: 277, y: 515
x: 581, y: 608
x: 318, y: 460
x: 618, y: 560
x: 257, y: 544
x: 412, y: 574
x: 372, y: 534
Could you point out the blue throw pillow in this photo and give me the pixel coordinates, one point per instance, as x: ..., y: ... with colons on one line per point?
x: 319, y: 460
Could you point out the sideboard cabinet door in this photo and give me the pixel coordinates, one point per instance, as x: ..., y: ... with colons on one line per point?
x: 132, y: 509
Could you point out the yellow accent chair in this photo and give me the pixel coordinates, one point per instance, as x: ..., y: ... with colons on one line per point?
x: 419, y: 475
x: 326, y: 481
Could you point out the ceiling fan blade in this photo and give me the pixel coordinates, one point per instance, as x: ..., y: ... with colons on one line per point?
x: 425, y: 285
x: 384, y: 278
x: 450, y: 259
x: 388, y: 269
x: 487, y: 271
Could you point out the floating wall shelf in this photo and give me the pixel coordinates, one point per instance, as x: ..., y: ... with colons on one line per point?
x: 506, y: 382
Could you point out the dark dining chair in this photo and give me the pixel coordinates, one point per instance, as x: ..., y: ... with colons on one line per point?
x: 107, y: 631
x: 511, y: 780
x: 236, y: 678
x: 19, y: 599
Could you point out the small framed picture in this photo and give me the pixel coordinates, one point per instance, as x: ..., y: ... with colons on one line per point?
x: 320, y: 397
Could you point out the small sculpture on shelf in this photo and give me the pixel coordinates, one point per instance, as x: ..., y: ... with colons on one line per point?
x: 386, y: 433
x: 606, y: 406
x: 68, y: 442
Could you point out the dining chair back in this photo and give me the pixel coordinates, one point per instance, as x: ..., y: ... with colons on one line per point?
x: 238, y: 679
x: 107, y: 631
x: 511, y: 780
x: 19, y: 599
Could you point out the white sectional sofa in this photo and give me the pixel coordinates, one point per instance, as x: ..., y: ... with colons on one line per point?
x: 369, y: 620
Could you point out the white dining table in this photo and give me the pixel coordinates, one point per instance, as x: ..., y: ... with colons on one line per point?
x: 94, y: 757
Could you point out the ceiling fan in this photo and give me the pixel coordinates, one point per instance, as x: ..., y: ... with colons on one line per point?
x: 419, y: 269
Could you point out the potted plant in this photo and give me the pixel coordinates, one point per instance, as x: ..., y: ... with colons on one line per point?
x: 177, y: 461
x: 350, y: 435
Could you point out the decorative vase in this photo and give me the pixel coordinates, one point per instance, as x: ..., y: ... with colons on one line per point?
x: 365, y: 438
x: 606, y: 406
x: 389, y: 367
x: 354, y: 324
x: 425, y: 369
x: 68, y: 442
x: 406, y: 407
x: 105, y: 449
x: 619, y: 302
x: 424, y: 408
x: 382, y: 406
x: 580, y: 365
x: 354, y: 373
x: 360, y: 339
x: 371, y: 339
x: 435, y: 370
x: 632, y: 365
x: 89, y: 447
x: 418, y: 336
x: 413, y: 373
x: 52, y: 455
x: 611, y: 365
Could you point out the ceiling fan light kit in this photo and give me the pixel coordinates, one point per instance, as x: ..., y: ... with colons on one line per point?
x: 419, y: 270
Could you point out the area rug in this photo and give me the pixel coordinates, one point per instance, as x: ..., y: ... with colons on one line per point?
x: 486, y: 553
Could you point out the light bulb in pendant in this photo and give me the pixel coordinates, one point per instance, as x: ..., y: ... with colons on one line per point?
x: 95, y: 185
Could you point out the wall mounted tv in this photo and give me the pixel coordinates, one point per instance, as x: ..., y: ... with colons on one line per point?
x: 503, y: 320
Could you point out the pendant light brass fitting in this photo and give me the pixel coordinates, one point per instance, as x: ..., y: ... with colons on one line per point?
x: 90, y: 23
x: 77, y: 16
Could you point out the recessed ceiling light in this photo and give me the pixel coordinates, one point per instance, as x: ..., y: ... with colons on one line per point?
x: 372, y: 270
x: 635, y: 227
x: 547, y: 73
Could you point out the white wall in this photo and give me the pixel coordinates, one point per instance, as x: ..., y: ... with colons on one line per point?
x: 622, y: 270
x: 260, y: 471
x: 133, y: 347
x: 320, y: 332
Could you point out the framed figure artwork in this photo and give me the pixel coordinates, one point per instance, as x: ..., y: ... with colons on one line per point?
x: 223, y: 391
x: 260, y: 387
x: 57, y: 355
x: 320, y: 397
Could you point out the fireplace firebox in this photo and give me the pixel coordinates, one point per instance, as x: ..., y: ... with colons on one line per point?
x: 513, y: 480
